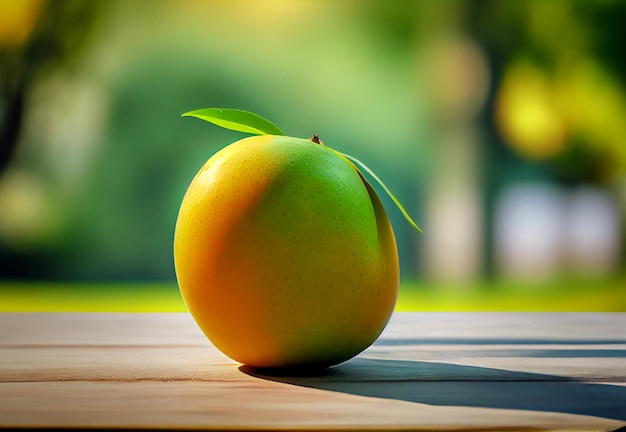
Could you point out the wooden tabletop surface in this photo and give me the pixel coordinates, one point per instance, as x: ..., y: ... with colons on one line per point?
x: 443, y: 371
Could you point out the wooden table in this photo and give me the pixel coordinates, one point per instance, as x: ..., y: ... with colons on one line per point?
x: 443, y: 371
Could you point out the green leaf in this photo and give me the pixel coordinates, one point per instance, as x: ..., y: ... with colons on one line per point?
x: 236, y: 119
x: 386, y: 189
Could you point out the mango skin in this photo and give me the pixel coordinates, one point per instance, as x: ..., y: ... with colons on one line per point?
x: 284, y: 254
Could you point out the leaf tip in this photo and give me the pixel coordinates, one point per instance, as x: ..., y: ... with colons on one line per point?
x: 385, y: 188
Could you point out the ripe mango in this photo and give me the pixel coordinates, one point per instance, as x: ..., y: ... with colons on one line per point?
x: 284, y: 254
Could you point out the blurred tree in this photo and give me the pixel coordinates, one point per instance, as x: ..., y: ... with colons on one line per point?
x: 560, y: 94
x: 37, y: 38
x: 557, y: 111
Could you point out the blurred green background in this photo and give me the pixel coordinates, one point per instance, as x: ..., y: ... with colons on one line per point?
x: 501, y: 125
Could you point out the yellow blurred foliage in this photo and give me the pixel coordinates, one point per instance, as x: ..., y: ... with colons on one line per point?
x: 527, y: 113
x: 17, y: 20
x: 539, y: 114
x: 594, y: 107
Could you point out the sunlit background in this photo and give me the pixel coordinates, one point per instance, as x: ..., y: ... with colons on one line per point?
x: 501, y: 125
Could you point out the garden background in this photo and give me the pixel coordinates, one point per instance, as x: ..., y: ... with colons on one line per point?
x: 501, y: 125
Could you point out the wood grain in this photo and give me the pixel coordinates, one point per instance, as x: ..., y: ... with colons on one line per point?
x: 448, y: 371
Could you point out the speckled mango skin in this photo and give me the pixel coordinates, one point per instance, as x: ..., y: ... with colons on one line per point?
x: 284, y: 255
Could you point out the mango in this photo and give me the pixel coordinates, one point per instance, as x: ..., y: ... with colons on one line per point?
x: 284, y: 254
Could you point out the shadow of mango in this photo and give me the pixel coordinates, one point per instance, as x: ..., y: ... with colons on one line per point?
x: 445, y: 384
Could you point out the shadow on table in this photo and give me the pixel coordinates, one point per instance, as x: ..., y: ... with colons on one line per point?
x: 499, y: 341
x: 446, y: 384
